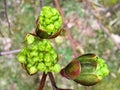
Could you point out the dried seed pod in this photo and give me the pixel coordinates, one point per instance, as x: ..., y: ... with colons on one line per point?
x: 92, y: 70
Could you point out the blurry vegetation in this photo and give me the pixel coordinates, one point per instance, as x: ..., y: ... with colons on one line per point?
x: 22, y: 15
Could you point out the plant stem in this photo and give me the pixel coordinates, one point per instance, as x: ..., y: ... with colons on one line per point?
x: 54, y: 83
x: 42, y: 82
x: 73, y: 43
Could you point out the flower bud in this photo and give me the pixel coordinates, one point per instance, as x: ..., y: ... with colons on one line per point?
x: 32, y: 70
x: 21, y: 58
x: 93, y: 69
x: 38, y: 55
x: 49, y: 23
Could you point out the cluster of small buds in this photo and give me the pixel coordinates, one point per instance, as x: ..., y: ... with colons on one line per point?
x: 38, y: 55
x: 49, y: 22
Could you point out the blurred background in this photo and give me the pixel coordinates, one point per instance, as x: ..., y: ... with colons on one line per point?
x: 96, y: 30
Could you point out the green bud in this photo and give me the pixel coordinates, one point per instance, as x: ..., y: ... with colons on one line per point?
x: 34, y: 53
x: 56, y: 68
x: 48, y: 14
x: 53, y: 54
x: 21, y: 58
x: 50, y: 28
x: 41, y: 67
x: 54, y: 11
x: 29, y: 65
x: 42, y: 14
x: 34, y: 47
x: 47, y: 57
x: 48, y: 46
x: 54, y: 18
x: 60, y: 20
x: 41, y: 19
x: 41, y: 46
x: 49, y: 64
x: 29, y: 39
x: 46, y: 11
x: 30, y: 61
x: 32, y: 70
x: 29, y: 55
x: 23, y: 51
x: 46, y: 27
x: 47, y: 21
x: 41, y: 56
x: 35, y: 59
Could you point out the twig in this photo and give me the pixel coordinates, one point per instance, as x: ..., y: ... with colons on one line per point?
x: 52, y: 81
x: 5, y: 7
x: 42, y: 82
x: 40, y: 4
x: 73, y: 43
x: 54, y: 84
x: 1, y: 33
x: 9, y: 52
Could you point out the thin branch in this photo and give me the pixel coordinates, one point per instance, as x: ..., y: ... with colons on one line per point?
x: 54, y: 83
x: 9, y: 52
x: 1, y: 33
x: 42, y: 82
x: 5, y: 7
x: 73, y: 43
x: 113, y: 9
x: 40, y: 4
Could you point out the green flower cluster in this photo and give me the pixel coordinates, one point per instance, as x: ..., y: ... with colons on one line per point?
x: 49, y: 20
x: 38, y: 55
x: 102, y: 69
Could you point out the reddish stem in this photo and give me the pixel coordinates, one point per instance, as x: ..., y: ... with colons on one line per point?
x: 73, y: 43
x: 42, y: 83
x: 54, y: 83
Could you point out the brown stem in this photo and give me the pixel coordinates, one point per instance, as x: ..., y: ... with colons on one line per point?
x: 42, y: 82
x: 52, y: 81
x: 54, y: 84
x: 5, y: 7
x: 73, y: 43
